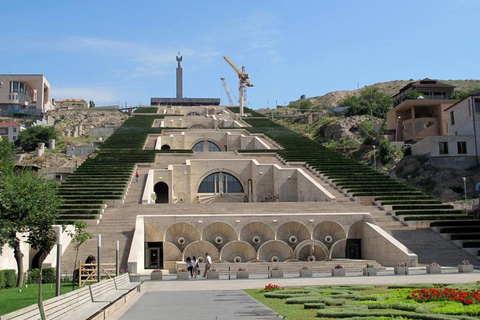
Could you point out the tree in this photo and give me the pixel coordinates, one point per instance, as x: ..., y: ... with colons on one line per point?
x: 28, y: 205
x: 79, y: 236
x: 6, y: 156
x: 371, y: 101
x: 91, y: 104
x: 386, y: 151
x: 28, y: 139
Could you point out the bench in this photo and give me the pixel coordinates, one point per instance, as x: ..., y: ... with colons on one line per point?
x: 122, y: 282
x: 77, y: 304
x: 28, y: 313
x: 99, y: 299
x: 105, y: 291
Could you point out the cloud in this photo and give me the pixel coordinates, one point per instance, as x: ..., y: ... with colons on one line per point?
x: 101, y: 94
x: 135, y: 59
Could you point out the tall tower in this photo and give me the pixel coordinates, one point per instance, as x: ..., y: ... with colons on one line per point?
x: 179, y: 77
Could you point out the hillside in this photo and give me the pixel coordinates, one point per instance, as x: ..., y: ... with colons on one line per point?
x: 332, y: 99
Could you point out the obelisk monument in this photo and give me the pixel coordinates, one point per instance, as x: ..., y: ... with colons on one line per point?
x: 179, y: 77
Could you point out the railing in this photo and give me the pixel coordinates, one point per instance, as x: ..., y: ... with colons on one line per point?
x: 88, y: 272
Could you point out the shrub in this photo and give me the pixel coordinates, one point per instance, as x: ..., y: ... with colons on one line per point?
x: 386, y: 151
x: 7, y: 279
x: 48, y: 275
x: 28, y: 139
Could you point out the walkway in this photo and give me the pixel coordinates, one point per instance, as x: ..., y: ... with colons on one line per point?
x: 225, y: 299
x: 181, y: 305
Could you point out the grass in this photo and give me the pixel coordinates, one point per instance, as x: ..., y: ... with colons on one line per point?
x: 12, y: 299
x: 364, y: 302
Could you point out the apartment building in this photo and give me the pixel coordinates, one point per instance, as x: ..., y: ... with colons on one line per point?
x: 24, y: 93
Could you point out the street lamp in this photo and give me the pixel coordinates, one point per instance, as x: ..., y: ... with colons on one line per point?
x: 374, y: 157
x: 465, y: 188
x: 396, y: 128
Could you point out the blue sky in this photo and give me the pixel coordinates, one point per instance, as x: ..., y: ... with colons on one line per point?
x: 124, y: 51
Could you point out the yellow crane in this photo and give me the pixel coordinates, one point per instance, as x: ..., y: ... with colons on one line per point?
x: 243, y: 83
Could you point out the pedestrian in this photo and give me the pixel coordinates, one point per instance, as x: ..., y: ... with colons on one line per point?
x: 208, y: 264
x: 195, y: 266
x: 190, y: 266
x: 137, y: 175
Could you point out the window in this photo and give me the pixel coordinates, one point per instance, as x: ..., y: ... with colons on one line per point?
x: 477, y: 106
x: 15, y: 86
x: 220, y: 183
x: 212, y: 147
x: 452, y: 118
x: 14, y: 129
x: 198, y: 147
x: 443, y: 147
x: 462, y: 147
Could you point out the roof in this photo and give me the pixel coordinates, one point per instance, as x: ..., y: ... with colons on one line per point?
x: 426, y: 83
x: 70, y: 100
x: 9, y: 124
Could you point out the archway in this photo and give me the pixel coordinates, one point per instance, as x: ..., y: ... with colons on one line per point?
x: 165, y: 147
x: 161, y: 191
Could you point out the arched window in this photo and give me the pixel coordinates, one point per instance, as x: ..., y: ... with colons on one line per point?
x: 165, y: 147
x: 212, y: 147
x: 193, y: 113
x: 220, y: 182
x: 198, y: 147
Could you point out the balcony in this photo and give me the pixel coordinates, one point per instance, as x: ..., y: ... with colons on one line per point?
x: 420, y: 128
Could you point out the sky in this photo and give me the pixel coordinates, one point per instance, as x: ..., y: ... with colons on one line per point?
x: 123, y: 52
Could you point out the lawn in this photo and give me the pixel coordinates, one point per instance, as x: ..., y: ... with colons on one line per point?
x: 13, y: 299
x: 426, y: 302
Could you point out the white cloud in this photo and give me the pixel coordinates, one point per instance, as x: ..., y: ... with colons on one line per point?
x: 103, y: 95
x: 135, y: 59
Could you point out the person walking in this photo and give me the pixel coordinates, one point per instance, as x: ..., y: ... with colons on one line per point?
x: 190, y: 266
x: 195, y: 266
x: 208, y: 264
x: 137, y: 175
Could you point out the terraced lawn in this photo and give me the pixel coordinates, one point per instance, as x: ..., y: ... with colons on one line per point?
x: 426, y: 302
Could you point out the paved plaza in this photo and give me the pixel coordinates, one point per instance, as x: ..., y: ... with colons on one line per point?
x: 225, y: 300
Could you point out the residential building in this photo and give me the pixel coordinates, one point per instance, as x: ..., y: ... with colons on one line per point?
x: 420, y: 111
x: 71, y: 104
x: 24, y: 93
x: 9, y: 131
x: 461, y: 147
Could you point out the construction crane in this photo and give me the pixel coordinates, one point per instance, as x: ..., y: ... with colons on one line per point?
x: 243, y: 83
x: 227, y: 90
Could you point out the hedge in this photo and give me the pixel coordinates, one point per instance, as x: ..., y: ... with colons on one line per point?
x: 48, y: 275
x: 8, y: 278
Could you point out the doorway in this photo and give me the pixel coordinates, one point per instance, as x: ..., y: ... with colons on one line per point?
x: 165, y: 147
x: 153, y: 255
x: 354, y: 249
x: 161, y: 191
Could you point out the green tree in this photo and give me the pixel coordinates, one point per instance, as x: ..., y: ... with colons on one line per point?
x: 91, y: 104
x: 386, y: 151
x: 6, y: 156
x: 28, y: 205
x: 463, y: 94
x: 371, y: 101
x: 79, y: 236
x: 28, y: 139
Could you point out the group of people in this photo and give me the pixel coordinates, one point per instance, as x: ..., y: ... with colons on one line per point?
x: 194, y: 268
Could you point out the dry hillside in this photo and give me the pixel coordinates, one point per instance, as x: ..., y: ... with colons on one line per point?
x: 332, y: 99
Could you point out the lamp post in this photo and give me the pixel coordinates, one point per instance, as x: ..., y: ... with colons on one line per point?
x: 465, y: 189
x: 396, y: 128
x: 374, y: 158
x: 58, y: 284
x: 99, y: 258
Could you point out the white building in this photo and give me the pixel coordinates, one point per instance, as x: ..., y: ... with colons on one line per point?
x: 460, y: 148
x: 24, y: 93
x: 9, y: 131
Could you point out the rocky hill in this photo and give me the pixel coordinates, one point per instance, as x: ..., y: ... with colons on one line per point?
x: 332, y: 99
